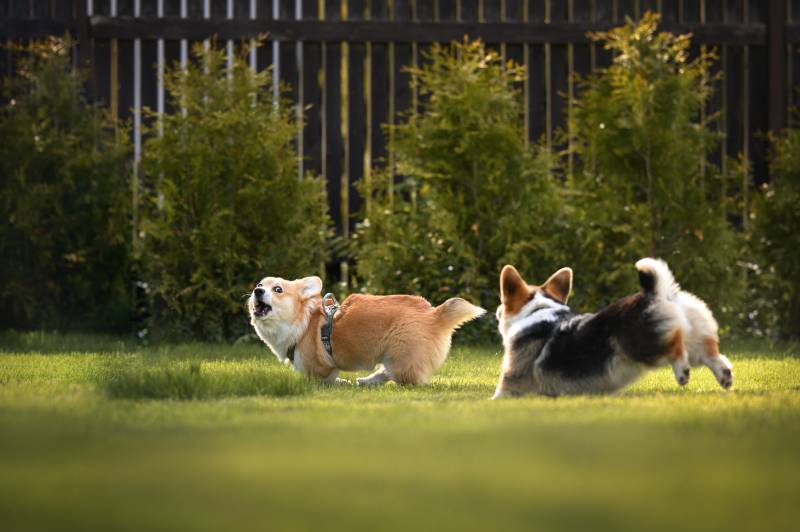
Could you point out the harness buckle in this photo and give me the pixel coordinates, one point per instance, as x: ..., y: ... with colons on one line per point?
x: 329, y: 304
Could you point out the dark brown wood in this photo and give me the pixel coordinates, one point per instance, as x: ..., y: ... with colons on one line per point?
x: 149, y: 87
x: 758, y: 74
x: 792, y: 32
x: 334, y: 149
x: 492, y: 11
x: 392, y: 31
x: 312, y: 100
x: 125, y: 80
x: 670, y: 10
x: 356, y: 114
x: 515, y: 9
x: 470, y: 10
x: 537, y: 93
x: 34, y: 28
x: 448, y: 10
x: 776, y: 48
x: 356, y: 126
x: 734, y: 84
x: 379, y: 100
x: 85, y: 52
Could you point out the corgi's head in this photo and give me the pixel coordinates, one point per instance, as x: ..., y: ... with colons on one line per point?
x: 519, y: 300
x: 276, y: 300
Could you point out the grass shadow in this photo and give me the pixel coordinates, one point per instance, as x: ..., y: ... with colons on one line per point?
x: 142, y: 378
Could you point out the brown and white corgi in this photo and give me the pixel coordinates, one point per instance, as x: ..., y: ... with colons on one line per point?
x: 551, y: 350
x: 405, y: 334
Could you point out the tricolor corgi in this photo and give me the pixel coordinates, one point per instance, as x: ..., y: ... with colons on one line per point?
x: 551, y: 350
x: 406, y: 335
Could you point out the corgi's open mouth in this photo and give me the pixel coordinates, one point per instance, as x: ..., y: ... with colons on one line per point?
x: 261, y: 309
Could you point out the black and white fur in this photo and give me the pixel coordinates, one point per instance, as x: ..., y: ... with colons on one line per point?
x: 551, y: 350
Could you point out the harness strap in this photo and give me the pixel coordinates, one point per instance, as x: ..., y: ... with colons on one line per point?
x: 329, y: 307
x: 290, y: 353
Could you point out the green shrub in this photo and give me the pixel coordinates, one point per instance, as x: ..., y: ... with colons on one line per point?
x: 642, y: 184
x: 223, y: 203
x: 474, y: 196
x: 64, y: 200
x: 775, y: 283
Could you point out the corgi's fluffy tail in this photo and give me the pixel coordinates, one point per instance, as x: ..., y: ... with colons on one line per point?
x: 456, y: 311
x: 656, y: 278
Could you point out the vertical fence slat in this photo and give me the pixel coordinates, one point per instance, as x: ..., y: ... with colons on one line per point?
x: 537, y: 78
x: 149, y: 62
x: 559, y: 73
x: 5, y: 54
x: 513, y: 12
x: 758, y: 76
x: 448, y: 10
x: 714, y: 14
x: 670, y: 10
x: 264, y: 55
x: 648, y: 5
x: 630, y: 8
x: 334, y: 148
x: 356, y: 114
x: 425, y: 10
x: 312, y: 96
x: 379, y: 90
x: 172, y: 47
x: 287, y: 56
x: 794, y: 70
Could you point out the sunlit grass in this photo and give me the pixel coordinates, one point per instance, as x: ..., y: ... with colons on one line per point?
x: 98, y: 437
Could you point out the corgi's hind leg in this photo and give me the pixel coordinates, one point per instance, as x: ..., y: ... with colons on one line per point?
x: 679, y: 358
x: 718, y: 363
x: 380, y: 376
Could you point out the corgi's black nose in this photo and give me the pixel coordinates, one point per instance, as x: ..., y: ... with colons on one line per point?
x: 258, y: 292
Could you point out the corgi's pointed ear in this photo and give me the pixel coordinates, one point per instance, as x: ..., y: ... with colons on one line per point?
x: 512, y: 285
x: 310, y: 286
x: 559, y: 285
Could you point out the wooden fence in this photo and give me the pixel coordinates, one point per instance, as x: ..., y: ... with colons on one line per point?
x: 345, y: 60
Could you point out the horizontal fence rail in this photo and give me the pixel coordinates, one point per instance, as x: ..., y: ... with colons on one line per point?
x: 151, y: 28
x: 345, y: 61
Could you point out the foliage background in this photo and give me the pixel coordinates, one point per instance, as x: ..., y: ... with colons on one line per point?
x: 64, y: 201
x: 463, y: 194
x: 474, y: 196
x: 222, y: 201
x: 642, y: 183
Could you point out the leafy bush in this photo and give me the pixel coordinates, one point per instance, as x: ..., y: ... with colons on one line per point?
x: 474, y: 195
x: 776, y: 238
x: 642, y: 183
x: 64, y: 200
x: 223, y: 202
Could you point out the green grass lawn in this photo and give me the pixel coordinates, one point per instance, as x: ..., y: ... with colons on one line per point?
x: 95, y: 435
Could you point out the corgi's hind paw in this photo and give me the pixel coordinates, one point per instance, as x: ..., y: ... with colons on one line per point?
x: 725, y: 378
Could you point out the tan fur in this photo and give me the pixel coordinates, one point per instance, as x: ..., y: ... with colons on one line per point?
x: 514, y: 291
x: 674, y: 349
x: 559, y: 285
x: 711, y: 347
x: 405, y: 333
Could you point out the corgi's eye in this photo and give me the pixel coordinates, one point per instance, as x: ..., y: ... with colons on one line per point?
x: 258, y: 285
x: 277, y: 289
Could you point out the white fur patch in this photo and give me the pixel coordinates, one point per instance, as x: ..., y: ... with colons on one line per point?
x: 280, y: 335
x: 665, y: 285
x: 538, y: 310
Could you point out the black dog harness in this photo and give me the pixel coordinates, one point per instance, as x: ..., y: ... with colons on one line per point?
x: 329, y: 308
